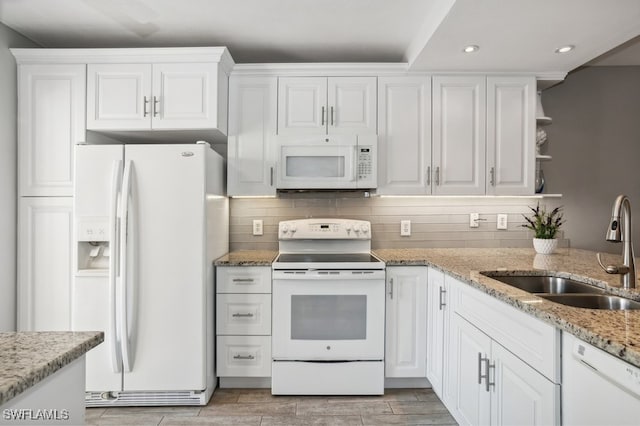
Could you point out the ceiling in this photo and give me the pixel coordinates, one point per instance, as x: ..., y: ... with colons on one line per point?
x: 514, y: 35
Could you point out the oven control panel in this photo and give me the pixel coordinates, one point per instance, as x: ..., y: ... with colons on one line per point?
x: 311, y: 229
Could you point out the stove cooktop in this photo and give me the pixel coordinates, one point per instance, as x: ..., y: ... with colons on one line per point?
x: 327, y: 261
x: 326, y: 258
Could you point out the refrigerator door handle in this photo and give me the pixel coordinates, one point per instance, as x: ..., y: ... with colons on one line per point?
x: 127, y: 241
x: 114, y: 341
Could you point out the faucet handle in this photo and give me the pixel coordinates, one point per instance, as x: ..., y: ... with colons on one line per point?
x: 612, y: 269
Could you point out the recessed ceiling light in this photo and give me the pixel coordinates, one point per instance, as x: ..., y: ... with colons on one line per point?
x: 471, y: 48
x: 565, y: 49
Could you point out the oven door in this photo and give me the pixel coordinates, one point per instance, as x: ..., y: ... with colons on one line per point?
x: 324, y: 315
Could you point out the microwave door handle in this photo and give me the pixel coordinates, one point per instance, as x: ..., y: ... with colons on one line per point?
x: 354, y: 171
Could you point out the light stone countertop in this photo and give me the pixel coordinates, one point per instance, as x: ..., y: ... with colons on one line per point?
x: 247, y: 258
x: 27, y: 358
x: 616, y: 332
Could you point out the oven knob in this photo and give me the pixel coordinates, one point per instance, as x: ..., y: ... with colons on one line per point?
x: 347, y: 227
x: 364, y: 228
x: 293, y: 229
x: 285, y: 228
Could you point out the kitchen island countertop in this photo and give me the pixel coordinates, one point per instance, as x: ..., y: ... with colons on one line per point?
x: 616, y: 332
x: 26, y: 358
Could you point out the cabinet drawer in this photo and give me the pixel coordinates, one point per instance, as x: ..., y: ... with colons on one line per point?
x: 532, y: 340
x: 244, y: 356
x: 247, y: 314
x: 243, y: 279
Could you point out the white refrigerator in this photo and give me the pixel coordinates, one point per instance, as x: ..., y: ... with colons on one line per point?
x: 148, y: 220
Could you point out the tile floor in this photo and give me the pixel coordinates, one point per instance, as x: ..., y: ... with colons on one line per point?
x: 259, y: 407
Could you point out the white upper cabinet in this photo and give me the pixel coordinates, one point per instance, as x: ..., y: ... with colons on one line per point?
x: 459, y: 137
x: 51, y: 108
x: 511, y: 102
x: 327, y: 105
x: 119, y: 97
x: 404, y: 142
x: 161, y: 96
x: 252, y: 128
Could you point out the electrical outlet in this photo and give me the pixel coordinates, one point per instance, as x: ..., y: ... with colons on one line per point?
x: 502, y: 221
x: 405, y: 228
x: 473, y: 220
x: 257, y: 227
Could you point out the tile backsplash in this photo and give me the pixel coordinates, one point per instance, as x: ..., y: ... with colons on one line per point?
x: 435, y: 221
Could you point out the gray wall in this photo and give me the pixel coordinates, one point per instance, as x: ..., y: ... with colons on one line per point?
x: 8, y: 185
x: 595, y: 144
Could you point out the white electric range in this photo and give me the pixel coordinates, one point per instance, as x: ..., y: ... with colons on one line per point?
x: 328, y: 310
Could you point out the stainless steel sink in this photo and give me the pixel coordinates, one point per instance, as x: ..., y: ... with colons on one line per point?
x: 546, y: 284
x: 593, y: 301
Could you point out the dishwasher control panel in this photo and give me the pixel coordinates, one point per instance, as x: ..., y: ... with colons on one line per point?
x: 609, y: 367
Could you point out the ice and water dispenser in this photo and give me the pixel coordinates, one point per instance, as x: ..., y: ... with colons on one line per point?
x: 93, y: 244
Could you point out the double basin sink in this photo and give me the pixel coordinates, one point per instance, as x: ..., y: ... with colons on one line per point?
x: 566, y: 291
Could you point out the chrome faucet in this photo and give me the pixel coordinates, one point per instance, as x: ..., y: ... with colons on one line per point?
x: 621, y: 233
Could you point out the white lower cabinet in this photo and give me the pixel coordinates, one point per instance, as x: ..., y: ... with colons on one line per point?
x: 437, y: 329
x: 245, y: 314
x: 493, y: 348
x: 406, y: 322
x: 243, y: 322
x: 44, y: 263
x: 244, y: 356
x: 493, y: 386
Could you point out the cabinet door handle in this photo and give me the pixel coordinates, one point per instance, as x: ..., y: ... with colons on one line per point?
x: 391, y: 288
x: 482, y: 360
x: 429, y: 176
x: 322, y: 117
x: 332, y: 116
x: 489, y: 367
x: 243, y: 280
x: 438, y: 175
x: 145, y: 111
x: 492, y: 176
x: 156, y: 107
x: 239, y: 315
x: 442, y: 293
x: 271, y: 176
x: 244, y: 357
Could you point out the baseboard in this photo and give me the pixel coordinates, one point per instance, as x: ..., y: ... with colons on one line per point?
x: 245, y: 382
x: 397, y: 383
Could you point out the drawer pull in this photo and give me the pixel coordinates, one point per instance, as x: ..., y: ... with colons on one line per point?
x: 243, y: 280
x: 247, y: 315
x: 244, y: 357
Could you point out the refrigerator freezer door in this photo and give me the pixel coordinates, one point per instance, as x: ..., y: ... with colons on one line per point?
x: 166, y: 327
x: 96, y: 188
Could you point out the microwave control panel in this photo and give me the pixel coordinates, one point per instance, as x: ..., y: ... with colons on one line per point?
x: 365, y: 163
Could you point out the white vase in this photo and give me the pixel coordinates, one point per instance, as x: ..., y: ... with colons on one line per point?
x: 545, y: 246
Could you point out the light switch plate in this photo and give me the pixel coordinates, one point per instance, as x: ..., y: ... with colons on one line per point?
x: 405, y: 228
x: 257, y: 227
x: 502, y: 221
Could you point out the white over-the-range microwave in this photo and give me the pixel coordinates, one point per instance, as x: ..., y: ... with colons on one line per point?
x: 327, y: 162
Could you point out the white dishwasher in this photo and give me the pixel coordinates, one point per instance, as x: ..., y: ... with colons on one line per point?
x: 597, y: 388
